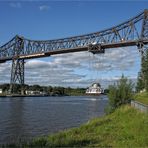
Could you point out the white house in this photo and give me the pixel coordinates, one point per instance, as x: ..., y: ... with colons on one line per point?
x: 1, y: 91
x: 31, y: 92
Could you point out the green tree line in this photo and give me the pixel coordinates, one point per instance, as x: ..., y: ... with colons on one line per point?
x: 53, y: 90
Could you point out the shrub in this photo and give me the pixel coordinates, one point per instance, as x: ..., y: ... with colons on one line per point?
x: 120, y: 93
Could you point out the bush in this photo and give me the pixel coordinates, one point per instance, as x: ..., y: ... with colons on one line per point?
x: 120, y: 93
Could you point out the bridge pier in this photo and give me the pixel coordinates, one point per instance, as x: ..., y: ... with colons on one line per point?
x: 17, y: 75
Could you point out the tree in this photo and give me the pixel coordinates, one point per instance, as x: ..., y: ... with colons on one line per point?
x: 112, y: 96
x: 5, y: 87
x: 145, y: 70
x: 120, y: 93
x: 124, y: 92
x: 140, y: 82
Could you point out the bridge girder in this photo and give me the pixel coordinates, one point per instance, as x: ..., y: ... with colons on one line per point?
x: 124, y: 32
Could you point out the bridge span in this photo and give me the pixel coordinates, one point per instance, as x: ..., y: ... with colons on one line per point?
x: 133, y: 32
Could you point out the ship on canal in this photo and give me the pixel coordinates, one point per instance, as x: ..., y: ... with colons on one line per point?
x: 94, y: 89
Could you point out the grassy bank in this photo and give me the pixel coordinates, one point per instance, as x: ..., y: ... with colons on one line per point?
x: 126, y: 127
x: 142, y: 97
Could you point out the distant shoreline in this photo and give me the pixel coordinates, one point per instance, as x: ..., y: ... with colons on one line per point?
x: 17, y: 95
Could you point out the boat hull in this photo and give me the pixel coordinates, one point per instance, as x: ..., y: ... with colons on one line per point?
x: 93, y: 94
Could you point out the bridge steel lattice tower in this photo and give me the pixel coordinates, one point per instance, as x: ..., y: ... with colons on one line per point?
x: 125, y: 34
x: 17, y: 70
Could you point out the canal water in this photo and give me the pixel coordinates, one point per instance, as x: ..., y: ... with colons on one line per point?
x: 28, y: 117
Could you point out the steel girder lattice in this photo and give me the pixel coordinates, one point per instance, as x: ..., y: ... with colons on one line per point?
x: 127, y: 32
x: 17, y: 71
x: 17, y: 75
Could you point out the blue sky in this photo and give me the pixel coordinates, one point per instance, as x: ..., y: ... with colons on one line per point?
x: 45, y: 20
x: 48, y: 20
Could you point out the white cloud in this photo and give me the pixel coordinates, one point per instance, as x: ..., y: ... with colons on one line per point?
x: 5, y: 69
x: 77, y: 69
x: 15, y: 5
x: 48, y: 73
x: 44, y: 7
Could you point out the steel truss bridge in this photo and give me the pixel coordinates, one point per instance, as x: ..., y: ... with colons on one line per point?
x: 133, y: 32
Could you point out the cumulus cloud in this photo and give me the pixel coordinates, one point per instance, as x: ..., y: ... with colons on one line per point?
x: 73, y: 68
x: 5, y: 69
x: 79, y: 69
x: 48, y: 73
x: 113, y: 59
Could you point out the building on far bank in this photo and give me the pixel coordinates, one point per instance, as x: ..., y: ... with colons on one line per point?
x: 95, y: 89
x: 1, y: 91
x: 31, y: 92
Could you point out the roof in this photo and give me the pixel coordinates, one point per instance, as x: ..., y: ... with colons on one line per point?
x: 96, y: 85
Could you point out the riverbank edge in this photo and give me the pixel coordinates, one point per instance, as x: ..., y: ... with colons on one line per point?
x: 114, y: 130
x: 138, y: 105
x: 142, y: 97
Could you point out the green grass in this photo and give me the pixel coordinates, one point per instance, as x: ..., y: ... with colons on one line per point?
x: 126, y: 127
x: 142, y: 97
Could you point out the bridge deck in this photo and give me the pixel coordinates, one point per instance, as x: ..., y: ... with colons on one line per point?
x: 78, y: 49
